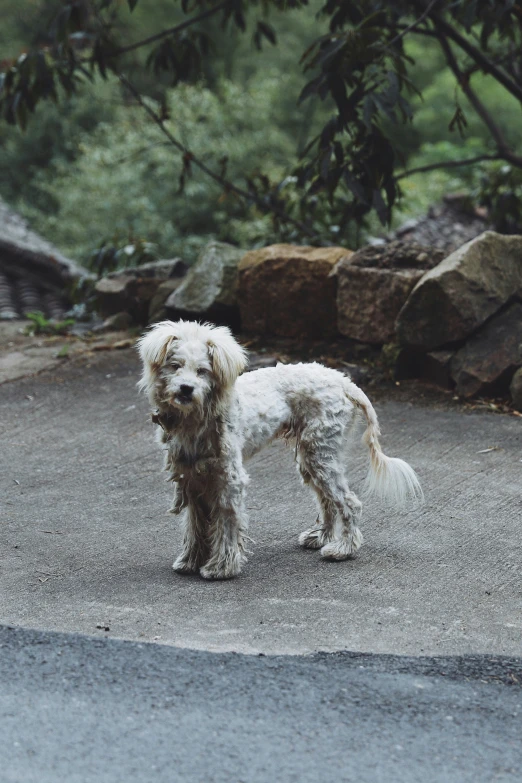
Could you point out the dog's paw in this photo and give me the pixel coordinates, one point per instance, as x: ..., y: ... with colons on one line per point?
x: 313, y: 539
x: 225, y: 567
x: 183, y: 566
x: 217, y: 573
x: 343, y: 548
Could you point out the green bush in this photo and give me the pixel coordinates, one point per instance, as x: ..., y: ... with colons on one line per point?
x: 123, y: 177
x: 95, y: 172
x: 30, y: 160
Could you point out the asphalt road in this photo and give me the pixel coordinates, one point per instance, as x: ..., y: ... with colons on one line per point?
x: 77, y: 709
x: 86, y: 546
x: 86, y: 543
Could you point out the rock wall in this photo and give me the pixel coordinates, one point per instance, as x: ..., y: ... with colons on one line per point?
x: 290, y: 291
x: 209, y: 291
x: 455, y: 321
x: 456, y: 297
x: 461, y: 326
x: 374, y: 283
x: 135, y: 290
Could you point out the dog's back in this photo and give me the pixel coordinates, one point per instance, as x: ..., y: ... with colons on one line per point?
x: 282, y: 401
x: 310, y: 400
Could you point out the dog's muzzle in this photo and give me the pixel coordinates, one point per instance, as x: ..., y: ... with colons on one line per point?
x: 185, y: 394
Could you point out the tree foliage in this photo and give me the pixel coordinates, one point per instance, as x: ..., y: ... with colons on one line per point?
x: 119, y: 181
x: 360, y: 68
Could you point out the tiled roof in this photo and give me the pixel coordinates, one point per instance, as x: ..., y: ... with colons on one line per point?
x: 19, y: 297
x: 34, y: 275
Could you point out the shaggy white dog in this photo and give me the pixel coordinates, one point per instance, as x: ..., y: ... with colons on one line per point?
x: 211, y: 420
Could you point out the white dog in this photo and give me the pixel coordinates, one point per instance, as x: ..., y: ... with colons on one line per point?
x: 211, y: 420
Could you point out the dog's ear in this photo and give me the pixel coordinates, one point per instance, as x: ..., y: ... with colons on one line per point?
x: 155, y: 343
x: 228, y: 358
x: 153, y: 347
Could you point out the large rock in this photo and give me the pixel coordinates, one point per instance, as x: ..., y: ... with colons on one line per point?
x: 131, y: 290
x: 158, y: 310
x: 456, y: 297
x: 210, y: 288
x: 515, y: 389
x: 486, y: 363
x: 289, y: 291
x: 373, y: 285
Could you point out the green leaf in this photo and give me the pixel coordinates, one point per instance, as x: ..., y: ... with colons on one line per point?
x: 20, y: 111
x: 310, y: 88
x: 380, y: 207
x: 458, y: 121
x: 268, y: 32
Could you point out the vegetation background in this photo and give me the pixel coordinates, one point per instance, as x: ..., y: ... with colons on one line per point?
x: 94, y: 169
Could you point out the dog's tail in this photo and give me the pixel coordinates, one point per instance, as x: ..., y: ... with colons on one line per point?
x: 388, y: 477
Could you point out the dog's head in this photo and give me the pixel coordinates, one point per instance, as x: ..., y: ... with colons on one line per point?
x: 186, y: 364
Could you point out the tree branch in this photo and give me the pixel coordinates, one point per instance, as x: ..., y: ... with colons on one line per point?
x: 172, y: 30
x: 449, y: 164
x: 228, y: 186
x: 418, y: 30
x: 412, y: 27
x: 476, y: 54
x: 484, y: 62
x: 483, y: 113
x: 463, y: 82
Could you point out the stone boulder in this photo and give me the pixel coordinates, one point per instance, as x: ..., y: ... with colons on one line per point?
x: 289, y: 290
x: 515, y: 389
x: 158, y: 304
x: 373, y: 285
x: 454, y: 299
x: 131, y: 290
x: 210, y: 289
x: 488, y: 360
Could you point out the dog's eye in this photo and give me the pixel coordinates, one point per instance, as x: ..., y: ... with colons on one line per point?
x: 175, y: 366
x: 201, y: 371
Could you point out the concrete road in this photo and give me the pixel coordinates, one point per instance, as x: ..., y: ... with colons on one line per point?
x: 81, y: 710
x: 87, y: 544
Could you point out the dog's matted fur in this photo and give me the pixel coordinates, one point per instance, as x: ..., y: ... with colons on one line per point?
x: 210, y: 420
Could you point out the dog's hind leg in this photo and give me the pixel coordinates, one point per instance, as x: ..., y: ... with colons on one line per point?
x: 320, y: 535
x: 350, y: 538
x: 195, y: 542
x: 327, y: 476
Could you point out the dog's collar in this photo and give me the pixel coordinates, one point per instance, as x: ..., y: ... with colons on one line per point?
x: 166, y: 421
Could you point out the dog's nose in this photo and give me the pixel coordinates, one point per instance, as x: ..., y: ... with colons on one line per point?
x: 186, y: 390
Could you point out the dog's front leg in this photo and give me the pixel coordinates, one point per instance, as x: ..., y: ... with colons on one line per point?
x: 228, y: 525
x: 195, y: 550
